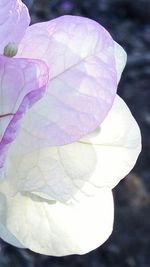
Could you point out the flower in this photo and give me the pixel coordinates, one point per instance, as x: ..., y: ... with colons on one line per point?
x: 66, y: 138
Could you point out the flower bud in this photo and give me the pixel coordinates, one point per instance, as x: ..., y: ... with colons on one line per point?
x: 10, y: 50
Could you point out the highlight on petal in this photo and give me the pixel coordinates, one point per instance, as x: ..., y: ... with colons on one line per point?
x: 121, y: 59
x: 80, y: 55
x: 64, y: 229
x: 14, y: 20
x: 117, y: 146
x: 22, y: 83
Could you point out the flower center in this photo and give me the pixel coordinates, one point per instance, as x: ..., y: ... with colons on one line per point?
x: 10, y: 50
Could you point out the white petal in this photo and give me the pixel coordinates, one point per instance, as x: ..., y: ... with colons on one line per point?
x: 121, y: 59
x: 67, y: 172
x: 117, y: 145
x: 8, y: 237
x: 58, y: 172
x: 5, y: 234
x: 59, y: 229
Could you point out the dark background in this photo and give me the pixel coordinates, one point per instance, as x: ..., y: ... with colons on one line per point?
x: 129, y: 245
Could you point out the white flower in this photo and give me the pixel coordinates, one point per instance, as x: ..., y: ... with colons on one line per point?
x: 66, y: 138
x: 58, y: 200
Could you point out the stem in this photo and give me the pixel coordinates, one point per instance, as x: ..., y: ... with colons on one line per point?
x: 6, y: 115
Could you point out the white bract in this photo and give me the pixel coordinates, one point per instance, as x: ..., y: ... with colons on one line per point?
x: 66, y: 138
x: 58, y: 201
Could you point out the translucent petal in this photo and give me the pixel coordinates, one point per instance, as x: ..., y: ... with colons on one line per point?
x: 59, y: 229
x: 121, y: 59
x: 80, y: 56
x: 14, y: 19
x: 117, y: 146
x: 57, y: 172
x: 22, y: 83
x: 68, y: 172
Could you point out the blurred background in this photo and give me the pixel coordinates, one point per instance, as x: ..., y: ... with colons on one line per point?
x: 129, y: 245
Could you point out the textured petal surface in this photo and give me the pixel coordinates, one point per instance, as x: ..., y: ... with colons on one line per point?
x: 65, y: 173
x: 14, y: 19
x: 22, y: 83
x: 117, y: 145
x: 57, y: 172
x: 80, y: 54
x: 64, y: 229
x: 121, y: 59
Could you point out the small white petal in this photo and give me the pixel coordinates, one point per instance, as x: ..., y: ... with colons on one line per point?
x: 117, y: 145
x: 121, y: 59
x: 59, y: 229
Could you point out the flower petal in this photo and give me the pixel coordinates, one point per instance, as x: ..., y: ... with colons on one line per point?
x: 8, y: 237
x: 57, y: 172
x: 14, y: 19
x: 80, y: 55
x: 121, y: 59
x: 22, y: 83
x: 64, y: 229
x: 79, y: 169
x: 117, y: 145
x: 5, y: 234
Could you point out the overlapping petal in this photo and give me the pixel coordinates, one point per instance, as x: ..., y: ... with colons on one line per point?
x: 68, y: 172
x: 74, y: 143
x: 14, y: 20
x: 22, y: 83
x: 117, y: 145
x: 57, y: 172
x: 87, y: 221
x: 80, y: 55
x: 58, y: 229
x: 121, y: 59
